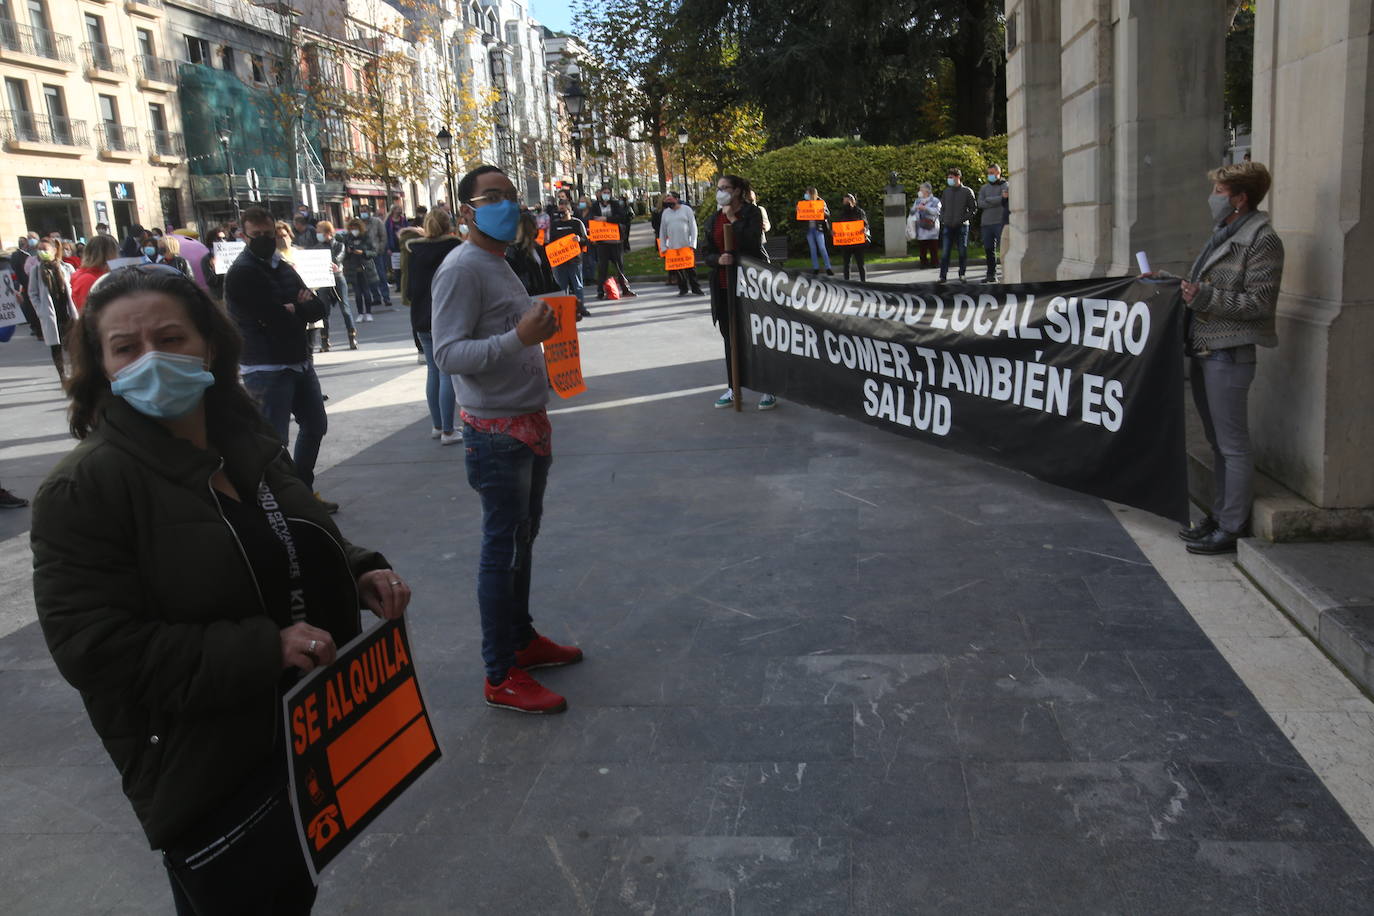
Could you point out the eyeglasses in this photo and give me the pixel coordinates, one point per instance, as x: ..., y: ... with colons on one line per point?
x: 495, y: 197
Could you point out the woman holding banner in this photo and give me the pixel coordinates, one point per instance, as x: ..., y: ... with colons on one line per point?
x: 746, y: 240
x: 184, y: 577
x: 815, y: 235
x: 850, y: 212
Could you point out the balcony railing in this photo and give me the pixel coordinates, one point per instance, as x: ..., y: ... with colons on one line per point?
x: 116, y: 138
x: 156, y: 69
x: 147, y: 4
x: 27, y: 127
x: 104, y: 58
x: 166, y: 143
x: 26, y: 39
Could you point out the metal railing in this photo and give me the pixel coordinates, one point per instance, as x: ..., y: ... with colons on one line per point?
x: 151, y: 4
x: 159, y: 69
x: 166, y: 143
x: 103, y: 57
x: 116, y: 138
x: 26, y: 39
x: 28, y: 127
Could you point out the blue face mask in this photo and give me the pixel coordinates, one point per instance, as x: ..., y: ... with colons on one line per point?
x: 499, y: 221
x: 163, y: 385
x: 150, y: 252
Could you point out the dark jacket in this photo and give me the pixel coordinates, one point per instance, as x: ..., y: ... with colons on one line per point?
x: 957, y: 206
x: 425, y: 257
x: 255, y: 293
x: 179, y: 263
x: 214, y: 281
x: 612, y: 211
x: 748, y: 240
x: 151, y: 610
x: 359, y: 261
x: 559, y: 227
x: 532, y: 267
x: 850, y: 214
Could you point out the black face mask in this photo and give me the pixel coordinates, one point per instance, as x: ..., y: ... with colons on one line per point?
x: 263, y: 246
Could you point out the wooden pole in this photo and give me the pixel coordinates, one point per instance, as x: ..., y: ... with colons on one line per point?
x: 732, y: 316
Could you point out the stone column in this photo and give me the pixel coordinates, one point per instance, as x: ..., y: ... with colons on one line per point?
x: 1310, y: 406
x: 1035, y: 239
x: 1086, y: 121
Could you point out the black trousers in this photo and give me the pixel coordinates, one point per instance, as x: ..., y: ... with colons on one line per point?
x: 607, y: 254
x: 858, y: 255
x: 686, y: 277
x: 720, y: 311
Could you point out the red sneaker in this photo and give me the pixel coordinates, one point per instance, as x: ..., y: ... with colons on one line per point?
x: 522, y: 693
x: 543, y: 652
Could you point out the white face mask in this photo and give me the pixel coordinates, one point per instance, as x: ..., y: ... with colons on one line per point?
x: 806, y: 196
x: 723, y: 198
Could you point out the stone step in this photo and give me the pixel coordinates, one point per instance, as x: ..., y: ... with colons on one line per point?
x: 1328, y: 589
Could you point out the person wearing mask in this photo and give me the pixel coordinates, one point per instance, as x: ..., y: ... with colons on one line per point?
x: 338, y: 296
x: 526, y: 258
x: 422, y: 258
x: 360, y: 268
x: 73, y: 252
x: 992, y: 201
x: 168, y: 596
x: 732, y: 209
x: 487, y: 336
x: 303, y: 232
x: 375, y: 229
x: 395, y: 222
x: 568, y: 275
x: 95, y: 262
x: 589, y: 265
x: 957, y: 207
x: 50, y: 291
x: 815, y: 236
x: 1231, y: 295
x: 272, y: 306
x: 102, y: 228
x: 19, y: 267
x: 850, y: 210
x: 148, y: 248
x: 609, y: 255
x: 214, y: 280
x: 678, y: 229
x: 763, y: 213
x: 169, y: 253
x: 926, y: 211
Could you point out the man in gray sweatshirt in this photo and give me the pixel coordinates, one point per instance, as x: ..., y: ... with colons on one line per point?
x: 487, y: 335
x: 992, y: 200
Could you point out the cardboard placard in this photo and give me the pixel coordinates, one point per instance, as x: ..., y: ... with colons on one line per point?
x: 315, y: 267
x: 658, y: 243
x: 849, y: 232
x: 358, y: 736
x: 680, y: 259
x: 561, y: 251
x: 10, y: 313
x: 539, y: 237
x: 562, y: 354
x: 598, y: 230
x: 809, y: 210
x: 226, y: 253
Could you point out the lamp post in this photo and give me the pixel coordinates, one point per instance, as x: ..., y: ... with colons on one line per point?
x: 224, y: 136
x: 575, y: 100
x: 682, y: 139
x: 446, y: 144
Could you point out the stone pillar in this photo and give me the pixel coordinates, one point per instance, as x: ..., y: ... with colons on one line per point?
x: 1086, y: 120
x: 1310, y: 405
x: 1035, y: 239
x: 1168, y: 128
x: 894, y: 218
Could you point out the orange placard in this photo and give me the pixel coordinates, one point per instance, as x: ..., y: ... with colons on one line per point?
x: 601, y: 231
x: 562, y: 354
x: 680, y: 259
x: 563, y: 250
x: 539, y: 239
x: 658, y: 243
x: 810, y: 209
x: 849, y: 232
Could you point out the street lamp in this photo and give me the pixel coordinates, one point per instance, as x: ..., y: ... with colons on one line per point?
x: 446, y: 144
x: 682, y: 142
x: 575, y: 100
x: 224, y: 135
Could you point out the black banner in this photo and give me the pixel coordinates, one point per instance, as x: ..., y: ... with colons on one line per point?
x: 1078, y: 383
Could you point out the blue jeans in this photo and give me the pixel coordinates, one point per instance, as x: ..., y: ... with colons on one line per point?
x: 510, y: 478
x: 363, y: 292
x: 383, y: 262
x: 339, y: 300
x: 815, y: 237
x: 284, y: 393
x: 568, y: 275
x: 438, y: 387
x: 949, y: 237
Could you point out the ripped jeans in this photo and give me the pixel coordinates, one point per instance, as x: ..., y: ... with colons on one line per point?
x: 510, y: 478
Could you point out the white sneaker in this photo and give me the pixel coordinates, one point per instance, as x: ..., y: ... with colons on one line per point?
x: 767, y: 402
x: 452, y: 438
x: 435, y: 433
x: 420, y: 359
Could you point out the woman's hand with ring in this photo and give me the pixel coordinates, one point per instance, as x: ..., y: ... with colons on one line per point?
x: 384, y: 592
x: 306, y: 647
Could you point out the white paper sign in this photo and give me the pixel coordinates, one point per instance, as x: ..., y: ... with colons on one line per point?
x: 226, y: 253
x: 313, y: 264
x: 395, y: 260
x: 9, y: 301
x: 1142, y: 262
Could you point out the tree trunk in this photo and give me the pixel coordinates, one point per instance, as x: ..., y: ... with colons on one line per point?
x: 974, y: 76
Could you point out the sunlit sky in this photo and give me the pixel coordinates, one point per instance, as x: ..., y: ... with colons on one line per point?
x: 556, y: 14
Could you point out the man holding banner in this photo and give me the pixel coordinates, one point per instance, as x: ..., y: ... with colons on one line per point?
x: 487, y: 337
x: 678, y: 230
x: 608, y: 215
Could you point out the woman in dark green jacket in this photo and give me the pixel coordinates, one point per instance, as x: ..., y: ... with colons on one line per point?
x: 184, y: 577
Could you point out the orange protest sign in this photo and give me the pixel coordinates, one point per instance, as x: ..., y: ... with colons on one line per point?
x: 562, y: 355
x: 679, y: 259
x: 810, y: 209
x: 849, y: 232
x: 658, y: 243
x: 563, y: 250
x: 358, y: 735
x: 539, y: 239
x: 601, y: 231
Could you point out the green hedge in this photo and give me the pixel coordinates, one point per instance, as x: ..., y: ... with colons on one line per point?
x: 839, y: 166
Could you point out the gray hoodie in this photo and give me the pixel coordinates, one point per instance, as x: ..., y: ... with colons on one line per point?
x: 478, y: 301
x: 990, y: 202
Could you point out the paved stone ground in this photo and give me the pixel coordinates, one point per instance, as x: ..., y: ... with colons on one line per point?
x: 828, y: 671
